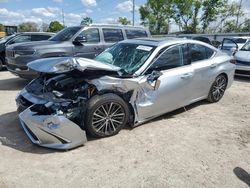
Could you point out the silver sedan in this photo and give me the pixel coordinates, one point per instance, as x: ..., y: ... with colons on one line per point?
x: 129, y: 83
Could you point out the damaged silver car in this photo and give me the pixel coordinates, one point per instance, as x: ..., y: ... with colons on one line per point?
x: 129, y: 83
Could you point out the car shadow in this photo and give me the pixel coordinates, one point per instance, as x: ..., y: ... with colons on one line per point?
x: 242, y: 175
x: 171, y: 114
x: 3, y: 69
x: 12, y: 135
x: 178, y: 111
x: 12, y: 84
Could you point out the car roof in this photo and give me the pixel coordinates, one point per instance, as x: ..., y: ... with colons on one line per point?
x: 156, y: 41
x: 37, y: 33
x: 242, y: 37
x: 117, y: 26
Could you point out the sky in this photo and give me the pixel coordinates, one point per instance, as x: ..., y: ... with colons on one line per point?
x: 14, y: 12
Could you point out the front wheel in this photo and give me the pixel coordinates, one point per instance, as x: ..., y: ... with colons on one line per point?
x: 106, y: 115
x: 218, y: 88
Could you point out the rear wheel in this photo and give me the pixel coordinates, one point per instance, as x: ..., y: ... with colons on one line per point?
x: 218, y: 88
x: 106, y: 115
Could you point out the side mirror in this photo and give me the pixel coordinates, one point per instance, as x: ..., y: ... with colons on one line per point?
x: 152, y: 79
x: 79, y: 40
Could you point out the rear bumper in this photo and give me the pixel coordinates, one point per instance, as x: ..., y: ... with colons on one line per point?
x: 52, y: 131
x: 242, y: 70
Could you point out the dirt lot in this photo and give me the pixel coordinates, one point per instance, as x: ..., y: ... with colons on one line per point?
x: 206, y: 146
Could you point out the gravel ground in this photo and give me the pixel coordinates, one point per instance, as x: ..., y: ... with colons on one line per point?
x: 206, y: 145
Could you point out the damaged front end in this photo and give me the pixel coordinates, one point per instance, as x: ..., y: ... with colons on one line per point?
x: 52, y: 108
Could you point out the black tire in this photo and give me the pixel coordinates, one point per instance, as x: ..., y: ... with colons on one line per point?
x: 105, y: 115
x: 217, y: 89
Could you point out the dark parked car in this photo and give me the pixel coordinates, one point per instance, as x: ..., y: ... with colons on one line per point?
x: 19, y: 38
x: 79, y: 41
x: 203, y: 39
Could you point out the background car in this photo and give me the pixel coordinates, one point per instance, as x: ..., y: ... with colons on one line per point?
x: 131, y: 82
x: 228, y: 44
x: 78, y: 41
x: 19, y: 38
x: 202, y: 39
x: 243, y: 61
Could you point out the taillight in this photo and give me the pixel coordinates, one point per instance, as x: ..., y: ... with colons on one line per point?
x: 233, y: 61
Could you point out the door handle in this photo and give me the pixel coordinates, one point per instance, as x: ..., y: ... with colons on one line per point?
x: 213, y: 65
x: 186, y: 76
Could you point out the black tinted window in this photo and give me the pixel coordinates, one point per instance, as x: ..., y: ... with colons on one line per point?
x: 91, y: 35
x: 39, y: 37
x: 209, y: 52
x: 131, y: 33
x: 65, y: 34
x: 199, y: 52
x: 22, y: 38
x: 240, y: 40
x: 112, y: 35
x: 173, y: 57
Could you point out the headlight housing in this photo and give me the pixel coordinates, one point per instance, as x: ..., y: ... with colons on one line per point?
x: 24, y: 52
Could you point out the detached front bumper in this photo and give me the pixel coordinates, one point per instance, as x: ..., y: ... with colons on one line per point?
x: 52, y: 131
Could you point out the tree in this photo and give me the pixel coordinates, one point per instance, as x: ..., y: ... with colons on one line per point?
x: 55, y: 26
x: 185, y: 14
x: 157, y: 15
x: 124, y: 21
x: 86, y: 21
x: 44, y: 27
x: 2, y: 29
x: 246, y: 26
x: 226, y: 20
x: 211, y: 9
x: 28, y: 27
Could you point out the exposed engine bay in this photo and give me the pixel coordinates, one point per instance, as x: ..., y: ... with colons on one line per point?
x: 66, y: 94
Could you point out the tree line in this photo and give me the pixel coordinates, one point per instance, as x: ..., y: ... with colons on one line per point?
x: 194, y: 16
x: 55, y: 26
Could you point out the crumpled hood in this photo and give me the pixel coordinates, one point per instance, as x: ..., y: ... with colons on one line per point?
x: 66, y: 64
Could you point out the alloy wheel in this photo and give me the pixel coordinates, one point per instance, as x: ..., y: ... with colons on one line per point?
x: 219, y: 87
x: 108, y: 118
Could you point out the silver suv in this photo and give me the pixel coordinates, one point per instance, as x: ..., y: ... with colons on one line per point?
x: 79, y: 41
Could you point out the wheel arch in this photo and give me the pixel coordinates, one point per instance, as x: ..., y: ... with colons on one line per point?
x: 225, y: 74
x: 126, y: 98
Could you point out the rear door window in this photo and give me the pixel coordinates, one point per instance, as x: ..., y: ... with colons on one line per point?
x: 112, y: 35
x: 132, y: 33
x: 199, y: 52
x: 91, y: 35
x: 39, y: 37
